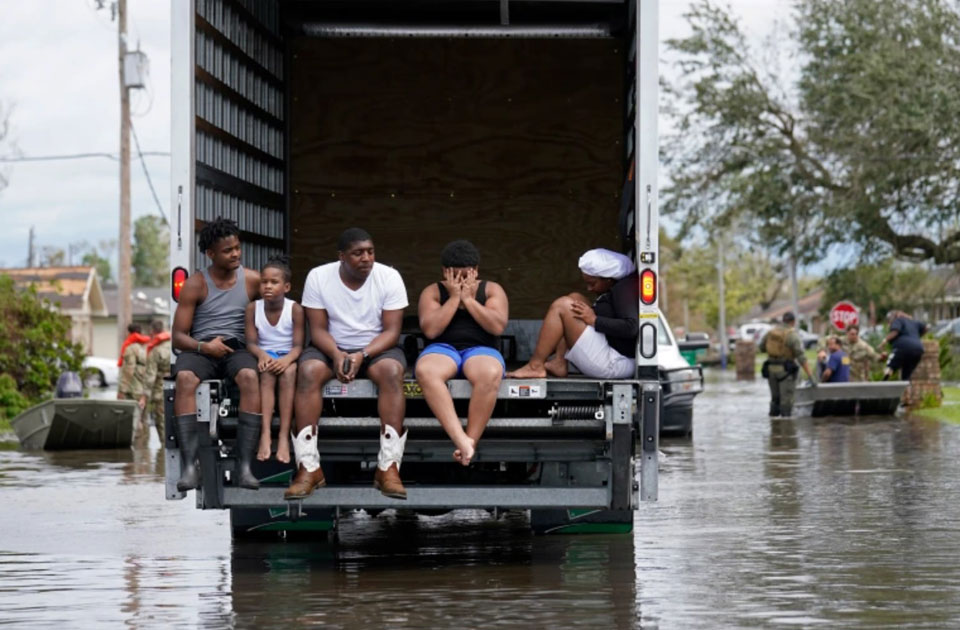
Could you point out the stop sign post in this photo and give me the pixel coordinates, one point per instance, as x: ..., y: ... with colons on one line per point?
x: 844, y: 314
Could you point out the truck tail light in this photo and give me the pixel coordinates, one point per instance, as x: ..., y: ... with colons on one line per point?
x: 177, y: 279
x: 648, y: 287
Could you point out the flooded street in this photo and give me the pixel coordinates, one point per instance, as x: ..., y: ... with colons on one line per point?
x: 760, y: 523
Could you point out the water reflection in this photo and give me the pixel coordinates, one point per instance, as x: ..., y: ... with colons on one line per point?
x: 830, y: 522
x: 463, y: 569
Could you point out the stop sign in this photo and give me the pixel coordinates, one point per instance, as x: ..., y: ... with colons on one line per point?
x: 843, y: 315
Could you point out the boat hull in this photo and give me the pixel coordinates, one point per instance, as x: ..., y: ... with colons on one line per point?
x: 875, y: 398
x: 76, y: 423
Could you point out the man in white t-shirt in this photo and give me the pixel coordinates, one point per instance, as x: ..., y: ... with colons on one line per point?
x: 354, y: 308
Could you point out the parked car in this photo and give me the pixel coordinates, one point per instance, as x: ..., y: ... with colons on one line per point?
x: 754, y: 331
x: 101, y: 371
x: 951, y: 327
x: 808, y: 339
x: 680, y: 383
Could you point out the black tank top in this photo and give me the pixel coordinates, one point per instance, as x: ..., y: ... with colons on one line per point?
x: 463, y: 331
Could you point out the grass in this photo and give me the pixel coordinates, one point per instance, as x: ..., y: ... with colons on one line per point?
x: 5, y: 425
x: 949, y: 411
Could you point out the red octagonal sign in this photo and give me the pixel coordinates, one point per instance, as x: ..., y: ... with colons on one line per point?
x: 843, y: 315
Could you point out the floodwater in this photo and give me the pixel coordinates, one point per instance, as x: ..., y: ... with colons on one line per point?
x: 761, y: 523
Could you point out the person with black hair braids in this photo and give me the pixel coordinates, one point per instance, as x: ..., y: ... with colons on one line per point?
x: 208, y: 330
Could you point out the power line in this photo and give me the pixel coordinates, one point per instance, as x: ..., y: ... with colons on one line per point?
x: 143, y: 162
x: 76, y: 156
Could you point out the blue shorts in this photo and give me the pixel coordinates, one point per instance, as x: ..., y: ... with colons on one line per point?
x: 460, y: 356
x: 277, y: 355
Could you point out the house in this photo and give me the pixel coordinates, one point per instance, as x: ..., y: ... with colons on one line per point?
x: 809, y: 311
x: 76, y: 290
x: 148, y: 304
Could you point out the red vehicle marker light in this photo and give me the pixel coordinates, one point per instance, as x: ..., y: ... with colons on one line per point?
x: 648, y: 287
x: 177, y: 278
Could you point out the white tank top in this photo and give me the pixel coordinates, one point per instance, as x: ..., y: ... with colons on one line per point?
x: 278, y: 338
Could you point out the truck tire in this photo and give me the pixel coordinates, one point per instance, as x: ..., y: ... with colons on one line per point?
x: 554, y: 521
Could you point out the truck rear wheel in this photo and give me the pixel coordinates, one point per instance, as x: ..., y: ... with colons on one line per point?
x: 582, y: 521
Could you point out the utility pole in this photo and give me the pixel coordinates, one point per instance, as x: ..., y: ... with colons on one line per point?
x: 794, y: 297
x: 124, y: 287
x: 722, y: 305
x: 31, y: 252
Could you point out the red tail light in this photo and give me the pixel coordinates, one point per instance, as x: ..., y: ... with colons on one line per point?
x: 177, y: 279
x: 648, y: 287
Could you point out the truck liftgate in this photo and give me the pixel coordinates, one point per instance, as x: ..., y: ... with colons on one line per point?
x: 562, y: 448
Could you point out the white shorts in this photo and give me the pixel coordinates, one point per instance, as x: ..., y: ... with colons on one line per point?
x: 594, y: 357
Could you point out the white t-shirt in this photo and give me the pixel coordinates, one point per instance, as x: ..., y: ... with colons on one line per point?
x: 356, y: 317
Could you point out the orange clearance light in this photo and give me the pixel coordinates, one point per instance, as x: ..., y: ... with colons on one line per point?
x: 648, y: 287
x: 178, y: 277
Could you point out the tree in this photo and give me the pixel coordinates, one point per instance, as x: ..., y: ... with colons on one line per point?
x: 749, y: 279
x: 151, y: 251
x: 862, y: 146
x: 35, y: 346
x: 51, y: 256
x: 886, y: 284
x: 93, y: 259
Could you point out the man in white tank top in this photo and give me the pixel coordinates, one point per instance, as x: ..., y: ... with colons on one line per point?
x: 354, y: 308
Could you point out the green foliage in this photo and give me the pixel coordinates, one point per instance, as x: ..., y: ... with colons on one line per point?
x: 886, y: 284
x: 151, y: 251
x: 749, y: 279
x: 862, y: 147
x: 12, y: 402
x: 93, y: 259
x: 949, y: 366
x: 35, y: 345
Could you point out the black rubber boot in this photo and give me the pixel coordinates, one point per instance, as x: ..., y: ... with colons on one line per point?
x: 248, y: 438
x: 188, y: 439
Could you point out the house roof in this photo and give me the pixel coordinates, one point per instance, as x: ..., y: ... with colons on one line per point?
x: 74, y: 288
x: 809, y: 306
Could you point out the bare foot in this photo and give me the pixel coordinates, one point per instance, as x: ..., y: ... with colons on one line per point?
x: 283, y: 451
x: 465, y: 451
x: 529, y: 371
x: 557, y: 367
x: 263, y: 452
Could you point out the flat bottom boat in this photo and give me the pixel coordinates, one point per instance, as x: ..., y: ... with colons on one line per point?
x: 875, y: 398
x: 76, y: 423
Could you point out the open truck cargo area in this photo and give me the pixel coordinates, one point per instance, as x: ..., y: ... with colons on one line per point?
x: 527, y: 127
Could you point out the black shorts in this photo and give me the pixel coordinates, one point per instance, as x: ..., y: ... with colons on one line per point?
x: 906, y: 362
x: 206, y: 367
x: 312, y: 353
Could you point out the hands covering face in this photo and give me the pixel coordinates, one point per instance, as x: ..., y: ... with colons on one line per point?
x: 461, y: 283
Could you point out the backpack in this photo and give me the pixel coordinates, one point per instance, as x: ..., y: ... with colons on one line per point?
x: 777, y: 344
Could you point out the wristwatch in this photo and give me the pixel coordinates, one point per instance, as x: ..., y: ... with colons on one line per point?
x: 366, y: 355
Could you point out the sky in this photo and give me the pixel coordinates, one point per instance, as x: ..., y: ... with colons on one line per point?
x: 58, y: 72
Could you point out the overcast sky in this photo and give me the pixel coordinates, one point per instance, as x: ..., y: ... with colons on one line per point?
x: 58, y: 69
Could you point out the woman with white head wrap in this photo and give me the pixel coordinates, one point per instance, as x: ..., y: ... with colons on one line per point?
x: 599, y: 339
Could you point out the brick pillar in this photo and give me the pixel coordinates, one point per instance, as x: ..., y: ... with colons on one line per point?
x: 925, y: 381
x: 745, y: 354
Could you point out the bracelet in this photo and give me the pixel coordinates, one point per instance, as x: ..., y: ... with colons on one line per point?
x: 199, y: 343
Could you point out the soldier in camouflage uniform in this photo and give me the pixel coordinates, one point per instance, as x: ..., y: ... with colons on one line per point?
x: 133, y: 367
x: 862, y: 355
x: 158, y: 367
x: 784, y: 351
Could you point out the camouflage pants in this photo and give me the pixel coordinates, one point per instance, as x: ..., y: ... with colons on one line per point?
x: 154, y: 412
x: 782, y: 388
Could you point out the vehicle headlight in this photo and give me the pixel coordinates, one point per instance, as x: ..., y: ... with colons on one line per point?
x: 684, y: 381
